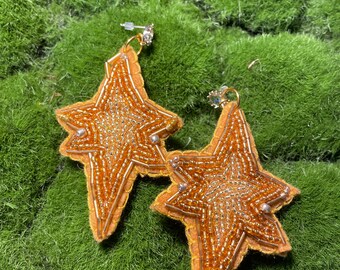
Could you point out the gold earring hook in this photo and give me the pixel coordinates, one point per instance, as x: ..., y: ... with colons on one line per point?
x: 224, y: 93
x: 144, y: 39
x: 139, y: 38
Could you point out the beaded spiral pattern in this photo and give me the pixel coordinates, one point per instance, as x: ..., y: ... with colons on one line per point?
x: 116, y: 135
x: 225, y: 198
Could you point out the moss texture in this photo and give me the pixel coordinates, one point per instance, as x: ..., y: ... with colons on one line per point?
x: 280, y: 55
x: 257, y: 16
x: 323, y: 19
x: 22, y: 27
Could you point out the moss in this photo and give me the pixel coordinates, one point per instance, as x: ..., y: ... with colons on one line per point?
x: 82, y: 8
x: 22, y: 27
x: 323, y: 20
x: 28, y: 29
x: 320, y: 18
x: 28, y: 156
x: 256, y: 16
x: 289, y: 95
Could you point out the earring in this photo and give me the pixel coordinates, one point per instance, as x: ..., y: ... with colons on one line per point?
x: 223, y: 196
x: 117, y: 134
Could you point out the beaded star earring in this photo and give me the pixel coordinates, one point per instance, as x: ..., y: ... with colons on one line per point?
x: 223, y: 196
x: 117, y: 134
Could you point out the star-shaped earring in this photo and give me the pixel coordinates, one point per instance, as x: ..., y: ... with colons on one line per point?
x: 117, y: 134
x: 224, y: 197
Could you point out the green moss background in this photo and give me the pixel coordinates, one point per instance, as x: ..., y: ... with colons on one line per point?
x: 52, y: 55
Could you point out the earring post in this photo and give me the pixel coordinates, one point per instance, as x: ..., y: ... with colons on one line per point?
x: 131, y: 26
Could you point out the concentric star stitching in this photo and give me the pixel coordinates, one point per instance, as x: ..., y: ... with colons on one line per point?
x: 117, y: 134
x: 225, y: 198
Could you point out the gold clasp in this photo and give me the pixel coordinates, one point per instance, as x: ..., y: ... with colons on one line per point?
x: 144, y: 39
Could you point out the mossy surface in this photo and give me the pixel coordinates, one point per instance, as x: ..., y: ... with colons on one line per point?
x: 323, y: 19
x: 280, y: 55
x: 22, y: 27
x: 257, y: 16
x: 288, y: 100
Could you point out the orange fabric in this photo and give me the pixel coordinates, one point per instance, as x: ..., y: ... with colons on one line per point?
x: 117, y: 134
x: 225, y: 198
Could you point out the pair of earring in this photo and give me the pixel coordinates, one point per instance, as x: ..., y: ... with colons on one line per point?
x: 222, y: 194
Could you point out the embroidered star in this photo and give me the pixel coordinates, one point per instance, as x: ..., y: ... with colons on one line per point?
x: 225, y: 198
x: 117, y: 134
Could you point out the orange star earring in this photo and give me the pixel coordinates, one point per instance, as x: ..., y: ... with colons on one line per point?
x: 117, y: 134
x: 223, y: 196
